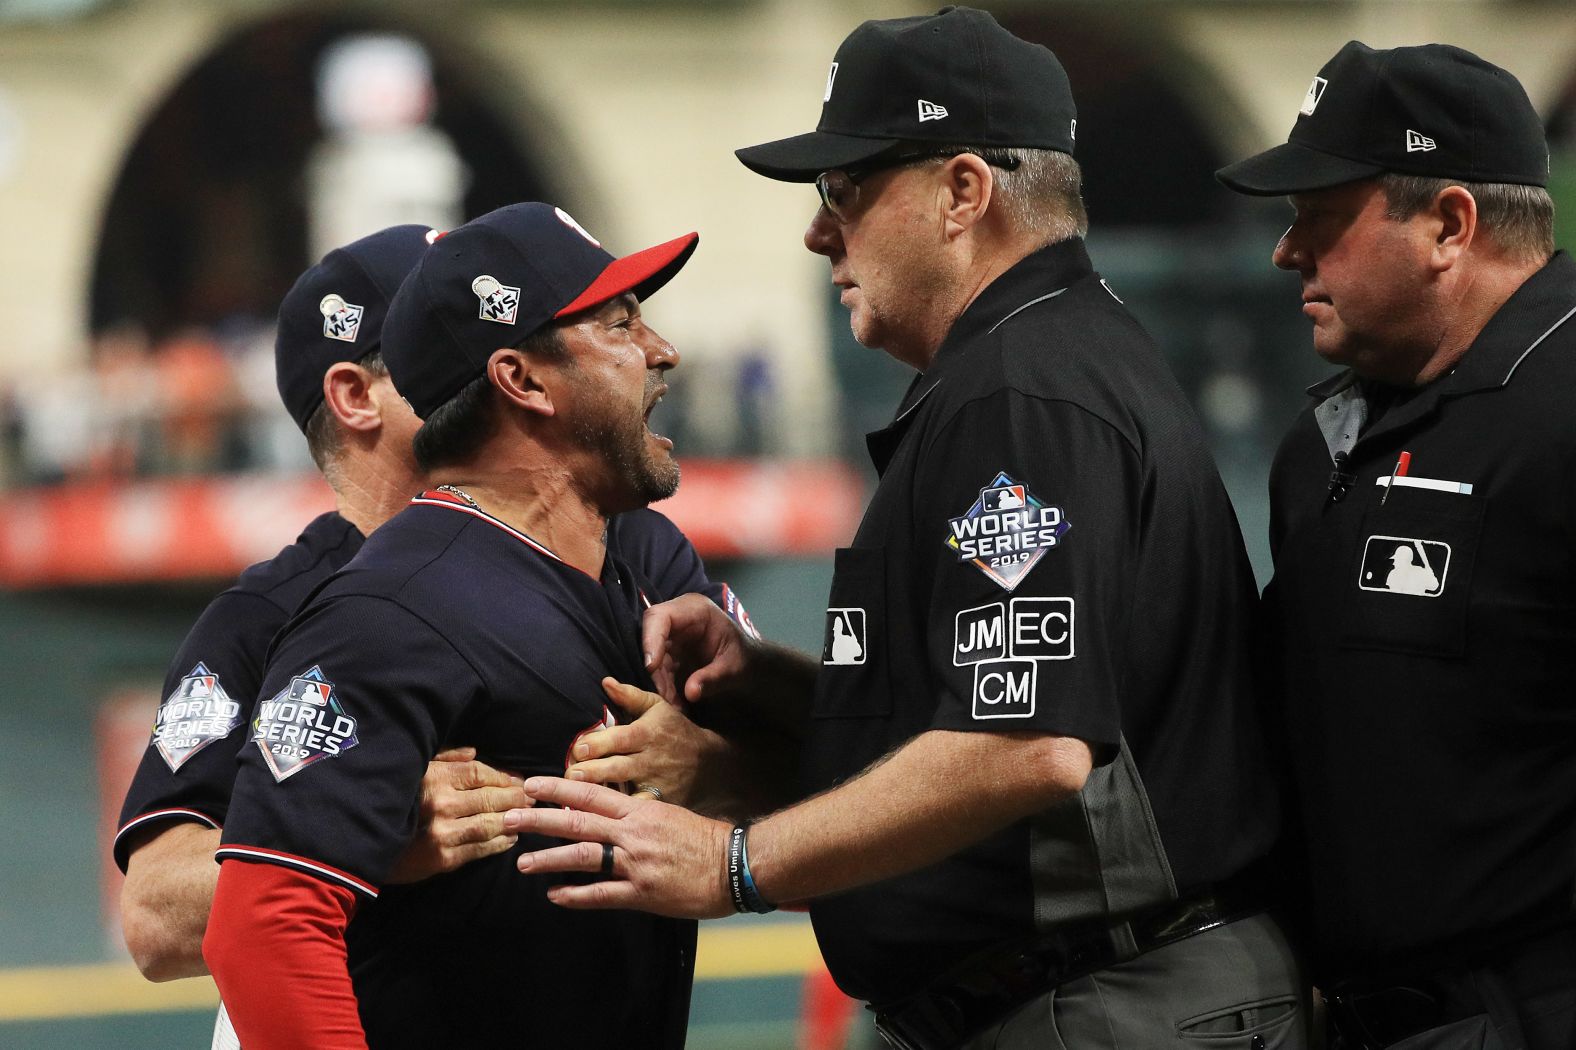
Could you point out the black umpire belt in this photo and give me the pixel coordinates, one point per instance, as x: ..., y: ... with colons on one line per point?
x: 989, y: 987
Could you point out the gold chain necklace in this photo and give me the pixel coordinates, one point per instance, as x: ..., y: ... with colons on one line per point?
x: 455, y: 490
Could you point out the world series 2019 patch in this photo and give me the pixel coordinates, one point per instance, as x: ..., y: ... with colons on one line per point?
x: 303, y: 724
x: 196, y: 714
x: 1006, y: 532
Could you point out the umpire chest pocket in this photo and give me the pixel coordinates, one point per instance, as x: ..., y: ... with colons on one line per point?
x: 1411, y: 576
x: 854, y: 681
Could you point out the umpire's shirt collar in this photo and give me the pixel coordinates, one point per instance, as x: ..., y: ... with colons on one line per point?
x: 1043, y: 274
x: 1542, y: 304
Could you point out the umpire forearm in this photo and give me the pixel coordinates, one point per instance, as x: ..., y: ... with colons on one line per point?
x: 940, y: 792
x: 164, y: 904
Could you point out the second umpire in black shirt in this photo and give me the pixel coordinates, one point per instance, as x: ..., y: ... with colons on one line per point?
x: 1421, y: 518
x: 1036, y: 785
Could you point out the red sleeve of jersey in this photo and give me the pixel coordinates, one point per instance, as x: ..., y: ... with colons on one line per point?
x: 276, y: 948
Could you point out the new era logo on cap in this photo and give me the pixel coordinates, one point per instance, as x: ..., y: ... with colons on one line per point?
x: 1310, y: 101
x: 831, y: 78
x: 931, y: 111
x: 1416, y: 142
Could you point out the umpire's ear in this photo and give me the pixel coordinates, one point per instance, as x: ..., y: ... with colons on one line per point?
x: 521, y: 379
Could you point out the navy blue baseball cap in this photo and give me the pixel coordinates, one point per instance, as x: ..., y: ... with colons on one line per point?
x: 954, y: 77
x: 491, y: 283
x: 334, y: 312
x: 1433, y: 110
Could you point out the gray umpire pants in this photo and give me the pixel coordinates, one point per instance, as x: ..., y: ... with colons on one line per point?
x: 1236, y: 987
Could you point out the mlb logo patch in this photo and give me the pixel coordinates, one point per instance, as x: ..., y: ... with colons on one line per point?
x: 310, y: 691
x: 1405, y: 565
x: 844, y: 644
x: 499, y: 302
x: 341, y: 320
x: 1007, y: 497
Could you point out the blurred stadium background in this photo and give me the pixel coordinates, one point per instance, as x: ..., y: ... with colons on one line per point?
x: 167, y: 167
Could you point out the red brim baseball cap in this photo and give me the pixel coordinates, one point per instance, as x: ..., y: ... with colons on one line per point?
x: 642, y: 273
x: 496, y: 280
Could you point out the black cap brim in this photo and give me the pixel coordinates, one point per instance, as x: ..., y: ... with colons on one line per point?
x: 1293, y: 168
x: 803, y: 157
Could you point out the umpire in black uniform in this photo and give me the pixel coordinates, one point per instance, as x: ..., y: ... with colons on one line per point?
x: 1422, y: 512
x: 1035, y: 781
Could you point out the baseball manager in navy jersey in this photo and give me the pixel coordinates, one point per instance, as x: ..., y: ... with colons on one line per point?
x: 490, y: 611
x: 1038, y: 794
x: 332, y: 381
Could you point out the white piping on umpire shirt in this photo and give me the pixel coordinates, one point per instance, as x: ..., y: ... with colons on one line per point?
x: 1535, y: 344
x: 1025, y: 306
x: 910, y: 409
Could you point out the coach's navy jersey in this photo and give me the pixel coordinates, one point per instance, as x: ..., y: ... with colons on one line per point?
x: 452, y: 628
x: 209, y: 689
x: 187, y: 771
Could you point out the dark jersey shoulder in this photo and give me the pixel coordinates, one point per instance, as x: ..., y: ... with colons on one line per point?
x: 653, y: 546
x: 210, y: 685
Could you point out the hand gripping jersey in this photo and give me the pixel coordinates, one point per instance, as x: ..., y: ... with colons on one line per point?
x: 448, y: 628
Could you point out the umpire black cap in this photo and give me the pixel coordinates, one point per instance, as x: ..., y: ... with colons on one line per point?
x: 492, y: 282
x: 953, y: 77
x: 335, y: 312
x: 1432, y: 110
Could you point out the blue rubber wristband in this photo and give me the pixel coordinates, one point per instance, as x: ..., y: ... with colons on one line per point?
x: 746, y: 897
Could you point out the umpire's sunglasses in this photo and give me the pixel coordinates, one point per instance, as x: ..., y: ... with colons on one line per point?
x: 839, y: 188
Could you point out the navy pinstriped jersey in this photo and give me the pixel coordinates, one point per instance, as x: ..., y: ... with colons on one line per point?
x: 188, y: 771
x: 450, y: 627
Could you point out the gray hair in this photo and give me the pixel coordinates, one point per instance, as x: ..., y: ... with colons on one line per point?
x: 1520, y: 219
x: 1039, y: 190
